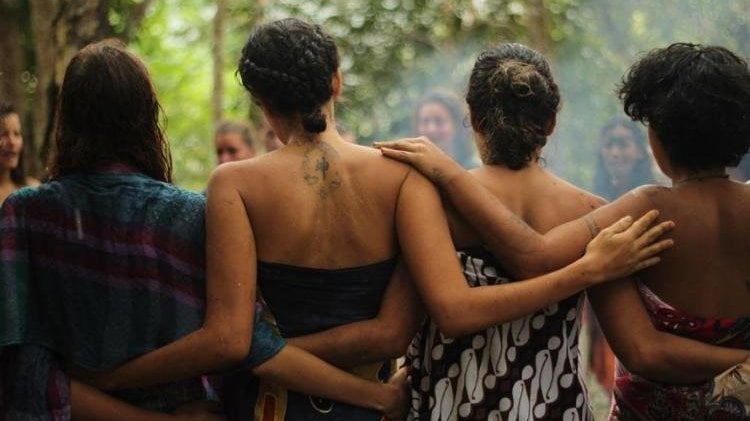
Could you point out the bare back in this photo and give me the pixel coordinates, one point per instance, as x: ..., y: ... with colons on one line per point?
x: 707, y: 272
x: 540, y: 198
x: 324, y: 205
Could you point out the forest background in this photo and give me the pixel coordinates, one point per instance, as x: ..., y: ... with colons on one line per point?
x: 393, y: 51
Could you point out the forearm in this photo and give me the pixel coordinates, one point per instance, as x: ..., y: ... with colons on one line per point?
x: 648, y: 352
x: 200, y: 352
x: 349, y: 345
x: 497, y: 304
x: 89, y: 404
x: 302, y: 372
x: 674, y: 359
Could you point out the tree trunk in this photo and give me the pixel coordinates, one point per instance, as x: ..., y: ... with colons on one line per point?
x: 11, y: 51
x: 59, y: 28
x: 218, y: 60
x: 539, y: 27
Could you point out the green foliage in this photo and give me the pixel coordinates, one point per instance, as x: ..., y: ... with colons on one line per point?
x: 393, y: 51
x: 174, y: 41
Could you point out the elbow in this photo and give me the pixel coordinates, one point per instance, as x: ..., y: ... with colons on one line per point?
x: 453, y: 325
x: 396, y: 341
x: 642, y: 360
x: 233, y: 347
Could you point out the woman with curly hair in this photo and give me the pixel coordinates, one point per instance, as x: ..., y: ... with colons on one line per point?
x: 696, y: 102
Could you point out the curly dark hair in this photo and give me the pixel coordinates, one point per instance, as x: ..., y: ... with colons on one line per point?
x: 696, y: 99
x: 17, y: 175
x: 107, y: 112
x: 512, y: 98
x: 288, y: 65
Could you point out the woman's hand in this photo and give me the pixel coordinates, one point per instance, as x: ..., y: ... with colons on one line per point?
x: 423, y: 155
x: 398, y: 396
x: 626, y: 247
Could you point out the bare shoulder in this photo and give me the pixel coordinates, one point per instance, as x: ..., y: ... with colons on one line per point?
x: 584, y: 200
x: 31, y: 181
x: 373, y: 162
x: 651, y: 194
x: 236, y: 174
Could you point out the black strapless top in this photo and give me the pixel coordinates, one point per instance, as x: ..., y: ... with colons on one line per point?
x: 306, y: 300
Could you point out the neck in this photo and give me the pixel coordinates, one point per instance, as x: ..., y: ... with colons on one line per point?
x: 291, y: 132
x: 698, y: 176
x: 5, y: 177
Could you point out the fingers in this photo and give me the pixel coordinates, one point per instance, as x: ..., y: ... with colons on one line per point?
x: 643, y: 264
x: 642, y: 224
x: 620, y: 225
x: 655, y: 248
x: 654, y: 232
x: 398, y: 155
x: 407, y: 143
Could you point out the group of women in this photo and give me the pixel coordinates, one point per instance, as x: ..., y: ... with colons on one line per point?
x: 105, y: 283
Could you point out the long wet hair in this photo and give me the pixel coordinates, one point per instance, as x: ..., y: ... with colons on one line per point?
x: 107, y: 113
x: 17, y: 175
x: 288, y: 65
x: 512, y: 98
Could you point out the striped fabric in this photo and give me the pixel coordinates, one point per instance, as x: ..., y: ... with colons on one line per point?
x: 95, y: 270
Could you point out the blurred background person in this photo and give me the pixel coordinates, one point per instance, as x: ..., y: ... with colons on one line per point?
x: 624, y: 160
x: 270, y: 140
x: 12, y: 175
x: 234, y: 141
x: 623, y: 163
x: 440, y: 116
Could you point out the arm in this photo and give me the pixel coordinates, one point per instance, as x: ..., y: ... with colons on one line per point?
x: 89, y: 404
x: 429, y: 252
x: 292, y: 368
x: 523, y: 251
x: 298, y: 370
x: 384, y: 337
x: 224, y: 338
x: 651, y: 353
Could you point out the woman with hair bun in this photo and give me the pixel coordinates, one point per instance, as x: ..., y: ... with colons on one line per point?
x: 677, y: 324
x: 527, y: 367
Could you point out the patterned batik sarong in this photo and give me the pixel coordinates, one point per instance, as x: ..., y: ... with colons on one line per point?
x: 526, y: 369
x: 726, y: 397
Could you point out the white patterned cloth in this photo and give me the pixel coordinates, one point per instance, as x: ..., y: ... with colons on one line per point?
x: 526, y: 369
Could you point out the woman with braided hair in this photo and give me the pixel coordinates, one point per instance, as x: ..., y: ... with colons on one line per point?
x: 320, y: 225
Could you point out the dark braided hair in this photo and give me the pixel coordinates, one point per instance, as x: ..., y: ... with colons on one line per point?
x: 696, y: 99
x: 288, y: 65
x: 512, y: 99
